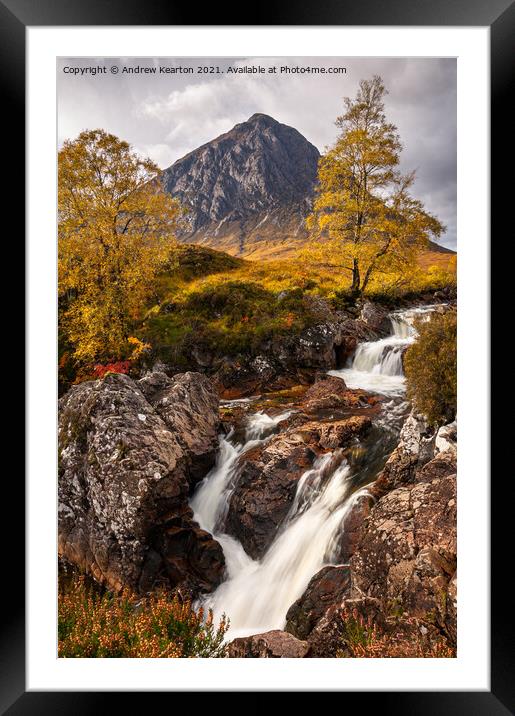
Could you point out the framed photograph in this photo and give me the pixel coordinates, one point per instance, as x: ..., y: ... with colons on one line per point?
x: 258, y: 306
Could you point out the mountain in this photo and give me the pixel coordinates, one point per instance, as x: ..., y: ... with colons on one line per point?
x: 248, y: 191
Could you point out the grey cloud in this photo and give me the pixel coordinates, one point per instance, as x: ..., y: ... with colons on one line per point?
x: 166, y: 116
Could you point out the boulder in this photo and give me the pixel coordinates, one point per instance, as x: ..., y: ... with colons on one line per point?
x: 330, y: 392
x: 415, y: 448
x: 375, y: 317
x: 266, y: 480
x: 266, y: 477
x: 446, y: 438
x: 274, y: 644
x: 130, y: 453
x: 188, y: 404
x: 335, y: 433
x: 326, y: 590
x: 407, y: 553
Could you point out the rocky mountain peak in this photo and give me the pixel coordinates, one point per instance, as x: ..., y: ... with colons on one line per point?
x: 260, y: 167
x: 263, y: 119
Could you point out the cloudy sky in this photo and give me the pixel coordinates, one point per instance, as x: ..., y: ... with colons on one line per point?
x: 164, y: 116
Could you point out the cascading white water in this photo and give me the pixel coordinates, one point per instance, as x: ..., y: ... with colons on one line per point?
x: 257, y: 593
x: 377, y: 365
x: 211, y: 499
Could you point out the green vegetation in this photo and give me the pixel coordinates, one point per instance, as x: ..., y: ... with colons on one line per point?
x: 229, y: 306
x: 216, y: 304
x: 223, y: 315
x: 128, y: 293
x: 430, y: 366
x: 99, y: 624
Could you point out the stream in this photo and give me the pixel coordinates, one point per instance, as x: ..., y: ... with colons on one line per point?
x: 257, y: 594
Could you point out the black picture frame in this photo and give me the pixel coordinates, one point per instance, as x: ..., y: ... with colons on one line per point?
x: 15, y: 17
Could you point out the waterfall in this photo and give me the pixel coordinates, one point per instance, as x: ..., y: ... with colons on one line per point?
x: 257, y: 594
x: 377, y: 365
x: 211, y: 499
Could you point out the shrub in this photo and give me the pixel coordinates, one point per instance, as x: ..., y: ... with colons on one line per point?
x: 430, y: 367
x: 362, y: 639
x: 225, y: 317
x: 94, y: 624
x: 121, y: 366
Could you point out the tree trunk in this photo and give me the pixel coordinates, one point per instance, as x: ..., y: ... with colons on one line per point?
x: 356, y: 279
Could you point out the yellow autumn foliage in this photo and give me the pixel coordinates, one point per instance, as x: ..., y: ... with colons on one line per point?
x: 115, y: 232
x: 365, y: 221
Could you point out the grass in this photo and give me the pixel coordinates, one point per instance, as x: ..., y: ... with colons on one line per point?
x: 219, y: 305
x: 208, y: 305
x: 361, y: 638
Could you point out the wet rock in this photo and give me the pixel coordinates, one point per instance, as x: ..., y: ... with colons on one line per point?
x: 266, y: 481
x: 331, y: 392
x: 336, y: 433
x: 237, y: 378
x: 266, y: 477
x: 415, y: 448
x: 129, y: 454
x: 327, y: 589
x: 352, y: 527
x: 402, y: 574
x: 375, y: 317
x: 286, y: 360
x: 274, y: 644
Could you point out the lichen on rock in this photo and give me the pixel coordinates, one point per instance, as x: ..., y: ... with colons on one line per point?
x: 130, y: 453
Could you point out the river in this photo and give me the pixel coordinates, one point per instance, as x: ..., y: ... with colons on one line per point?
x: 256, y: 594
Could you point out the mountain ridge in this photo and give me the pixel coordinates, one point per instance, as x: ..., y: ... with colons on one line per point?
x: 248, y: 191
x: 250, y: 186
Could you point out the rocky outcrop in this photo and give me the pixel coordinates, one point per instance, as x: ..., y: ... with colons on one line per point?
x: 129, y: 454
x: 266, y: 481
x: 407, y: 554
x: 446, y: 439
x: 416, y: 446
x: 329, y: 392
x: 286, y: 360
x: 375, y: 317
x: 401, y: 572
x: 326, y: 589
x: 267, y: 475
x: 327, y: 638
x: 274, y: 644
x: 353, y: 524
